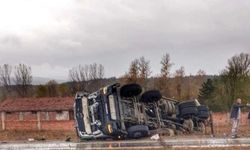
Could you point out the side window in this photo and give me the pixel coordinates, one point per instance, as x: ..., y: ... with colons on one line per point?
x: 112, y: 107
x: 62, y: 115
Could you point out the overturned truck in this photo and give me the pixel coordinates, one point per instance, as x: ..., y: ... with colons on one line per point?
x: 120, y: 112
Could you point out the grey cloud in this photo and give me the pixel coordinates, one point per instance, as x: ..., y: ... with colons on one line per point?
x: 198, y: 34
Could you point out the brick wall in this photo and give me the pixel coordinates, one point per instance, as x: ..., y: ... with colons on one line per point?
x: 30, y: 116
x: 29, y: 121
x: 67, y: 125
x: 12, y: 116
x: 20, y: 125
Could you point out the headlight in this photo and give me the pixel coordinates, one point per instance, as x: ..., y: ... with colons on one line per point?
x: 110, y: 130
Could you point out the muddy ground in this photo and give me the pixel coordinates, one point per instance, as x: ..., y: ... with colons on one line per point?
x: 221, y: 131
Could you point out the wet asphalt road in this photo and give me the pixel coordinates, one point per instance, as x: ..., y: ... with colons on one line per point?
x: 140, y: 144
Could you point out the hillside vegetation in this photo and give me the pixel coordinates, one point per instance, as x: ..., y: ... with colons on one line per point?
x: 218, y: 92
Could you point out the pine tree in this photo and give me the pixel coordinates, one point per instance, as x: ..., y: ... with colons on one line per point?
x: 206, y: 92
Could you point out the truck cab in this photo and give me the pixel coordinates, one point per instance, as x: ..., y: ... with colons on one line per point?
x: 111, y: 112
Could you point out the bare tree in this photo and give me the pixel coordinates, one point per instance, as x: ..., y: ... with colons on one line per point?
x: 237, y: 71
x: 5, y: 73
x: 79, y: 75
x: 162, y: 83
x: 144, y: 68
x: 139, y: 71
x: 82, y: 75
x: 179, y: 75
x: 133, y: 73
x: 52, y: 87
x: 166, y: 65
x: 22, y: 79
x: 180, y: 72
x: 96, y: 71
x: 100, y: 71
x: 239, y: 65
x: 201, y: 73
x: 145, y: 72
x: 96, y: 74
x: 93, y: 71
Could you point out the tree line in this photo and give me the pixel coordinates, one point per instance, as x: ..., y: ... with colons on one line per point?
x: 233, y: 82
x: 216, y: 91
x: 17, y: 82
x: 22, y: 79
x: 176, y: 85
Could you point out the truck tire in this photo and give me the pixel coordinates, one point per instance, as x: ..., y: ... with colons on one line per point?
x: 189, y: 124
x: 138, y: 131
x: 130, y: 90
x: 151, y: 96
x: 202, y: 127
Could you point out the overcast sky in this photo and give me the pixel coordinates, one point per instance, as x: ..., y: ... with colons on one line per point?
x: 54, y: 35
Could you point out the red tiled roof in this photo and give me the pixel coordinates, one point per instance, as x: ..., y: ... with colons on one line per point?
x: 37, y: 104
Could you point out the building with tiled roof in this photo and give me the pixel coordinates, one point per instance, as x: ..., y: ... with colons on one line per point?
x: 37, y: 104
x: 53, y: 113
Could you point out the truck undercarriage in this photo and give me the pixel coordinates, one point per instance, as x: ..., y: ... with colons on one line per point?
x: 120, y: 112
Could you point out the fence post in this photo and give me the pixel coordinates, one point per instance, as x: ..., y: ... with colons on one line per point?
x: 3, y: 120
x: 39, y: 120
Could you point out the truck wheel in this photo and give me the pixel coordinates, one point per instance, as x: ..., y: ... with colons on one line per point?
x: 151, y: 96
x: 138, y: 131
x: 202, y: 127
x: 130, y: 90
x: 189, y: 124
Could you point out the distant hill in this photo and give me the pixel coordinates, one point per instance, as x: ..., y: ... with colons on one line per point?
x: 42, y: 80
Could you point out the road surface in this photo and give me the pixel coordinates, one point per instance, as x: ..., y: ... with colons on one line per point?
x: 129, y: 144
